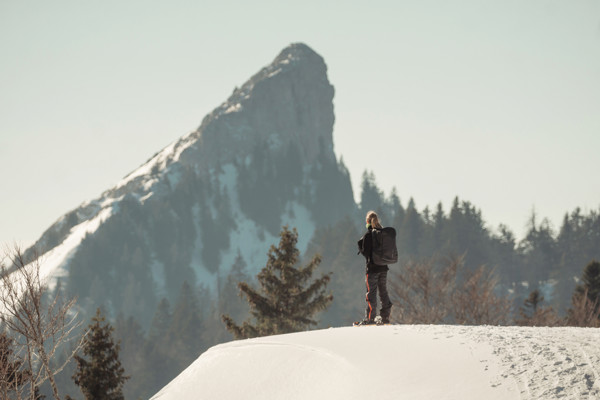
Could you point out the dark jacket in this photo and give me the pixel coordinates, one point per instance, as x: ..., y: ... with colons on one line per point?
x: 365, y: 247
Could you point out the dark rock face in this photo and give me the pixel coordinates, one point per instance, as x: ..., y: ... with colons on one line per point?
x: 289, y: 101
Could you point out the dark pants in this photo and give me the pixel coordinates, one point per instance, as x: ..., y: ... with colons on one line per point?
x: 377, y: 281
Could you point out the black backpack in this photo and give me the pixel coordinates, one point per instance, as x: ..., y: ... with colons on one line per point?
x: 384, y: 246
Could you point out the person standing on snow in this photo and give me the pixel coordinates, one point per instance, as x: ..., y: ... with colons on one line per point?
x: 376, y: 276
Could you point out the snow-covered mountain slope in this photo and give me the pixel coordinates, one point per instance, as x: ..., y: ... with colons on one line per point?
x: 399, y: 362
x: 262, y: 159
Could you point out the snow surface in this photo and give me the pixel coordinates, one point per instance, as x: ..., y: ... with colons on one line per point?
x: 248, y: 238
x: 399, y: 362
x: 160, y: 160
x: 53, y: 263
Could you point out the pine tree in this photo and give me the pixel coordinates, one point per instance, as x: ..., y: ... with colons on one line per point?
x: 533, y: 314
x: 186, y: 328
x: 410, y: 233
x: 229, y: 302
x: 160, y: 365
x: 287, y: 299
x: 439, y: 220
x: 533, y: 301
x: 371, y: 196
x: 539, y: 250
x: 591, y: 282
x: 131, y: 338
x: 100, y: 375
x: 159, y: 329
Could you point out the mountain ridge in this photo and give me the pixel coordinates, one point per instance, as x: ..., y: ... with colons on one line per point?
x: 215, y: 142
x: 261, y: 159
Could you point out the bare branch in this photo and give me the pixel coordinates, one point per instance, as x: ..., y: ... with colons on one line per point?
x: 432, y: 292
x: 584, y: 312
x: 40, y: 330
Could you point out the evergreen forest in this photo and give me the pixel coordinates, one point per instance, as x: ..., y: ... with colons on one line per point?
x: 161, y: 334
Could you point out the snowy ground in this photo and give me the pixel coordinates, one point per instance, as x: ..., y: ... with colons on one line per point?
x: 399, y: 362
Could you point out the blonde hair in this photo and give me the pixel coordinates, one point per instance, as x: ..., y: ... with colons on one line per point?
x: 373, y: 219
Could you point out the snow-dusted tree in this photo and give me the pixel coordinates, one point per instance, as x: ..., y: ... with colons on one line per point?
x: 38, y: 322
x: 100, y: 375
x: 288, y: 298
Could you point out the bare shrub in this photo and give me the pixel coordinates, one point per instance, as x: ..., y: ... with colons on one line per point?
x: 544, y: 316
x: 584, y: 312
x: 431, y: 292
x: 37, y: 322
x: 533, y: 314
x: 421, y: 292
x: 12, y: 377
x: 475, y: 301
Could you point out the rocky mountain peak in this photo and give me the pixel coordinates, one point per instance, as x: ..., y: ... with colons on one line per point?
x: 288, y: 101
x: 274, y: 138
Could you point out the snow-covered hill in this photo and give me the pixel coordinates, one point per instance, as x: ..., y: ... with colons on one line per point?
x: 399, y: 362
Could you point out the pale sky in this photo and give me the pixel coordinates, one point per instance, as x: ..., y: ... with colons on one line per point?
x: 497, y: 102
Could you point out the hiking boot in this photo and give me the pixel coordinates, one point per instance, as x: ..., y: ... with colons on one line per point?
x: 365, y: 322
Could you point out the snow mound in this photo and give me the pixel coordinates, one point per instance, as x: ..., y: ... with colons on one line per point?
x: 399, y: 362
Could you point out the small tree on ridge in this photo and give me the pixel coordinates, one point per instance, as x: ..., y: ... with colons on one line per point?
x: 287, y: 299
x: 100, y: 375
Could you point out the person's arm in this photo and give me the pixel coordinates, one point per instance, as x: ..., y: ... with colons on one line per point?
x: 367, y: 247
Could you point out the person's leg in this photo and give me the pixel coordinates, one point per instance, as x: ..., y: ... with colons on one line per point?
x: 386, y: 304
x: 372, y: 282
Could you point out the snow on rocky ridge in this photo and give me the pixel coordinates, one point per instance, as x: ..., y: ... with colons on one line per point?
x: 399, y: 362
x: 287, y: 103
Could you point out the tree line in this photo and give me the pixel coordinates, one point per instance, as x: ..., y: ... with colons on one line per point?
x: 445, y: 292
x: 286, y: 299
x: 36, y: 327
x: 548, y: 259
x: 478, y: 275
